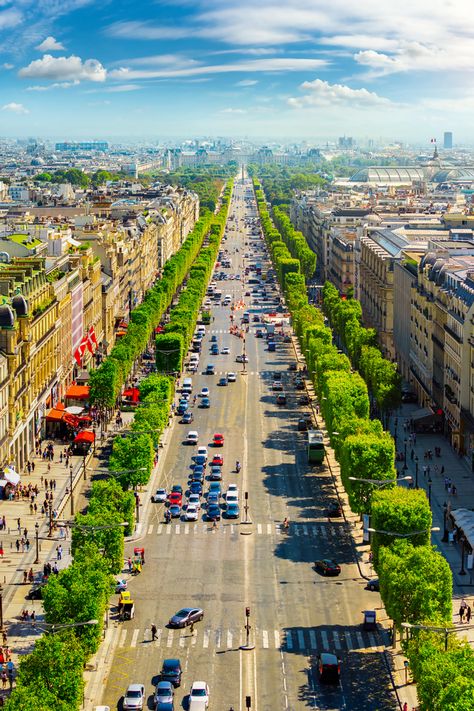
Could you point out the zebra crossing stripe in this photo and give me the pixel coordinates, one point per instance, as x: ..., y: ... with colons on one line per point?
x: 277, y: 639
x: 135, y: 634
x: 360, y: 640
x: 324, y: 637
x: 300, y: 637
x: 229, y: 639
x: 289, y: 640
x: 348, y: 637
x: 324, y: 533
x: 259, y: 528
x: 218, y: 638
x: 194, y: 640
x: 150, y: 529
x: 186, y: 528
x: 169, y: 641
x: 297, y: 530
x: 159, y: 529
x: 168, y: 530
x: 181, y: 639
x: 312, y: 639
x: 123, y: 634
x: 205, y: 641
x: 337, y: 642
x: 158, y: 638
x: 178, y: 528
x: 305, y: 530
x: 269, y: 528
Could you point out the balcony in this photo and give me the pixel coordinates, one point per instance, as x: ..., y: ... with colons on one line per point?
x: 453, y: 334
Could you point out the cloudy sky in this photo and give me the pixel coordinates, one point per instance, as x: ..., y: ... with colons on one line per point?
x: 291, y: 69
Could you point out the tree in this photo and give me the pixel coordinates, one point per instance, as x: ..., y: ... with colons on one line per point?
x: 108, y: 494
x: 33, y: 696
x: 366, y: 457
x: 134, y: 454
x: 169, y: 352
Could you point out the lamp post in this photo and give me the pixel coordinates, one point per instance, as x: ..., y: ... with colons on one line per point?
x: 404, y: 535
x: 37, y: 542
x: 416, y: 471
x: 71, y: 491
x: 442, y: 630
x: 445, y: 523
x: 50, y: 512
x: 405, y: 465
x: 463, y: 547
x: 430, y: 481
x: 53, y: 629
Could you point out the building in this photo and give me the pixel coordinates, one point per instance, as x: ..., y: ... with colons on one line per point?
x: 85, y: 146
x: 447, y: 140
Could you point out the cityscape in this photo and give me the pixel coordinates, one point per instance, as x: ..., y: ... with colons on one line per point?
x: 236, y: 356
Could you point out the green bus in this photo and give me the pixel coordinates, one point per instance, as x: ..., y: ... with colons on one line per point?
x: 206, y: 317
x: 315, y: 447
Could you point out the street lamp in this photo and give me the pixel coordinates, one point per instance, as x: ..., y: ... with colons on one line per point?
x: 405, y: 465
x: 70, y: 489
x: 463, y: 544
x: 442, y: 630
x: 37, y: 542
x: 380, y: 482
x: 50, y: 628
x: 416, y: 471
x: 404, y: 535
x: 445, y: 537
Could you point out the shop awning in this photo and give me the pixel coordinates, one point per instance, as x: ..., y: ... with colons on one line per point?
x: 132, y: 394
x: 71, y: 420
x: 11, y: 476
x: 464, y: 519
x: 85, y: 436
x: 423, y: 414
x: 77, y: 392
x: 55, y: 415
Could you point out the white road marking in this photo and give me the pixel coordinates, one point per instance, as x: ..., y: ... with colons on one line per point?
x: 159, y: 529
x: 348, y: 637
x: 289, y: 640
x: 324, y: 533
x: 305, y: 530
x: 360, y: 640
x: 277, y: 639
x: 337, y: 642
x: 182, y: 637
x: 205, y: 641
x: 135, y: 634
x: 150, y: 529
x: 168, y: 529
x: 324, y: 637
x: 123, y: 635
x: 259, y: 528
x: 312, y: 639
x: 178, y: 528
x: 158, y: 638
x: 169, y: 641
x: 300, y: 636
x: 297, y: 530
x: 269, y: 528
x: 278, y: 529
x: 218, y: 638
x: 186, y: 528
x: 265, y: 639
x: 229, y: 639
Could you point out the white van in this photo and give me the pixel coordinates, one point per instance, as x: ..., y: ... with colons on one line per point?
x: 187, y: 386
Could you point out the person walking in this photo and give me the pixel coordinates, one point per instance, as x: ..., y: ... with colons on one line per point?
x: 153, y: 632
x: 461, y: 613
x: 192, y: 628
x: 468, y: 614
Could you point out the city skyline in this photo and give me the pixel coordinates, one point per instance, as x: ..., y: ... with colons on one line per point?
x: 294, y: 69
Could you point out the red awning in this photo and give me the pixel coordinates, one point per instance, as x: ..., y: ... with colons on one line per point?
x: 71, y: 420
x: 85, y: 436
x: 85, y: 418
x: 77, y: 392
x: 55, y: 415
x: 132, y: 394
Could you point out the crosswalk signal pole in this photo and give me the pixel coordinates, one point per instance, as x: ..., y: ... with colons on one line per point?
x: 247, y: 646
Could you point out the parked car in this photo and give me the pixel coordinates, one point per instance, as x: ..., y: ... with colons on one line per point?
x: 281, y: 399
x: 373, y: 585
x: 198, y: 696
x: 134, y: 697
x: 159, y: 497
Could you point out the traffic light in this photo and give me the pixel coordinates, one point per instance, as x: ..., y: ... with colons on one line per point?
x: 248, y: 700
x: 247, y: 612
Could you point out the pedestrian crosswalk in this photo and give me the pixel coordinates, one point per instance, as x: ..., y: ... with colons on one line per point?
x: 309, y: 640
x: 225, y: 528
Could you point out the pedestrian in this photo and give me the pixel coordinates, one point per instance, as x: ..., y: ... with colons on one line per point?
x: 18, y: 523
x: 60, y: 552
x: 129, y: 563
x: 192, y: 627
x: 4, y: 636
x: 442, y: 469
x: 4, y: 679
x: 55, y: 569
x: 17, y: 544
x: 153, y: 632
x: 461, y: 614
x: 25, y: 577
x: 468, y: 614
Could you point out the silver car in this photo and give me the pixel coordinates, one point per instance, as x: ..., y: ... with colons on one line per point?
x: 134, y: 697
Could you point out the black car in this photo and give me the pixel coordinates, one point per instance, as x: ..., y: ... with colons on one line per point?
x: 373, y: 585
x: 327, y: 567
x: 36, y: 592
x: 171, y: 671
x: 329, y: 668
x: 303, y: 425
x: 299, y: 384
x: 277, y: 375
x: 304, y: 400
x: 334, y: 509
x: 214, y: 512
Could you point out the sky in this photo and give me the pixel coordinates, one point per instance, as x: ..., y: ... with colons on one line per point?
x: 259, y: 69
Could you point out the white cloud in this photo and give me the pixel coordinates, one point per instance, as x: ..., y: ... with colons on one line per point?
x: 233, y: 111
x: 50, y: 45
x: 146, y: 31
x: 7, y: 65
x: 64, y: 68
x: 10, y: 18
x: 15, y: 108
x: 414, y: 56
x: 247, y: 82
x: 56, y: 85
x: 320, y: 93
x: 276, y: 64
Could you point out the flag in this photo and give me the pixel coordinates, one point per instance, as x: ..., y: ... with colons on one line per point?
x: 92, y: 339
x: 79, y: 352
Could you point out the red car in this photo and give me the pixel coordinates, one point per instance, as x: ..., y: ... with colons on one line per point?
x: 175, y: 498
x: 218, y: 440
x: 217, y: 461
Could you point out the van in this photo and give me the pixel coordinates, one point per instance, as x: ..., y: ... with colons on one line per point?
x: 187, y: 385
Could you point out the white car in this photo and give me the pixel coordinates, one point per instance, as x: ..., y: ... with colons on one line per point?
x: 194, y: 500
x: 198, y: 696
x: 242, y: 358
x: 225, y: 350
x: 192, y: 437
x: 134, y: 697
x: 232, y: 489
x: 231, y: 377
x: 204, y: 392
x: 232, y: 498
x: 203, y: 451
x: 192, y: 513
x: 160, y: 496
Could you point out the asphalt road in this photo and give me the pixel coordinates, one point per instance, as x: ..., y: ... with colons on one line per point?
x: 294, y: 612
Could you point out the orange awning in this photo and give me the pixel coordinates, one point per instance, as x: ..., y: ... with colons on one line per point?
x: 78, y: 392
x: 85, y: 436
x: 55, y: 415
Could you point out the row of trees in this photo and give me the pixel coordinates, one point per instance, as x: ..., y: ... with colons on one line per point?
x: 281, y: 181
x: 206, y: 180
x: 78, y: 178
x: 415, y: 579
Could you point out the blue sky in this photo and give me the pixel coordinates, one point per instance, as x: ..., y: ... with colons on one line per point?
x: 263, y: 69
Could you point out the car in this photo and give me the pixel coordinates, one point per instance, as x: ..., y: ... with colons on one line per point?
x: 195, y: 487
x: 231, y: 377
x: 171, y: 671
x: 281, y: 399
x: 292, y: 366
x: 213, y: 512
x: 175, y: 498
x: 120, y: 585
x: 178, y: 488
x: 232, y: 489
x: 259, y: 333
x: 232, y: 497
x: 204, y: 392
x: 194, y: 500
x: 212, y: 498
x: 36, y: 592
x: 159, y: 497
x: 334, y: 509
x: 242, y: 358
x: 197, y: 475
x: 175, y: 510
x: 210, y: 370
x: 329, y: 668
x: 232, y: 511
x: 164, y: 692
x: 198, y: 469
x: 198, y: 696
x: 218, y: 440
x: 215, y: 474
x: 302, y: 425
x: 185, y: 616
x: 187, y: 418
x: 205, y: 403
x: 215, y: 349
x: 299, y: 384
x: 222, y: 381
x: 215, y: 486
x: 327, y: 567
x: 213, y: 338
x: 304, y: 400
x: 277, y: 385
x: 217, y: 461
x: 202, y: 451
x: 373, y: 585
x: 134, y: 697
x: 182, y: 407
x: 225, y: 350
x: 192, y: 513
x: 192, y: 437
x: 199, y: 460
x: 277, y: 375
x: 256, y: 318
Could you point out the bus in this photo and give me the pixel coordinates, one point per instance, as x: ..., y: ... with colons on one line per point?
x: 315, y: 447
x: 206, y: 317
